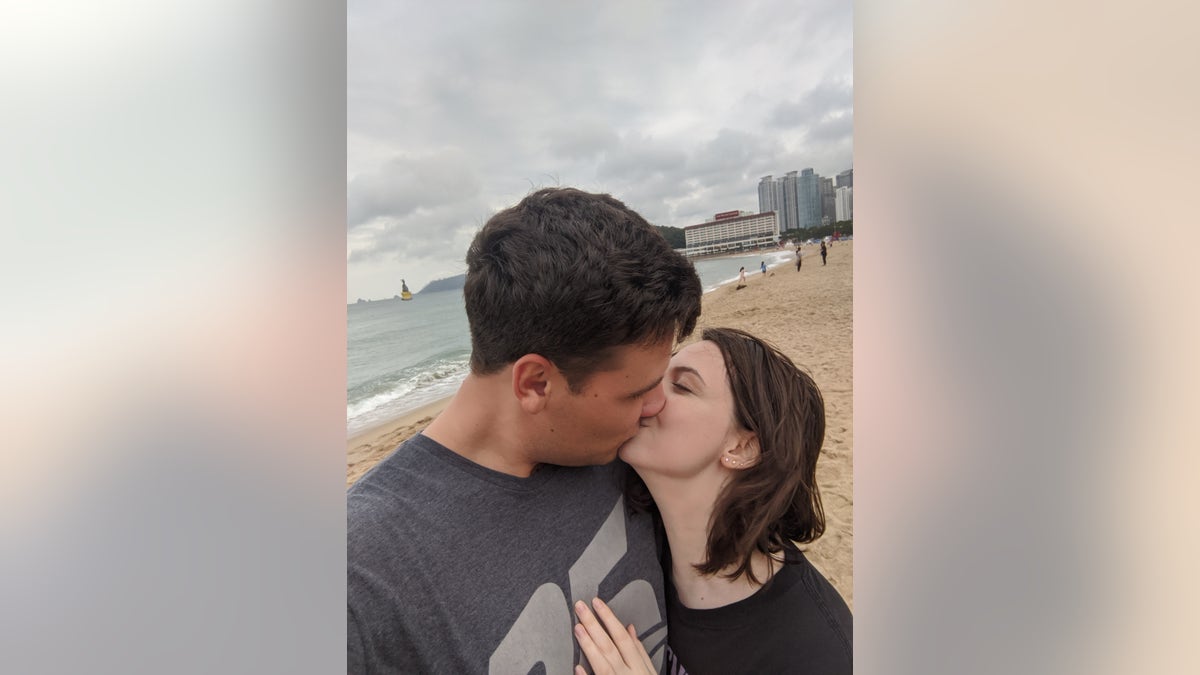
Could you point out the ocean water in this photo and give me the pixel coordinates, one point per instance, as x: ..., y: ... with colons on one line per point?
x: 715, y: 272
x: 402, y: 355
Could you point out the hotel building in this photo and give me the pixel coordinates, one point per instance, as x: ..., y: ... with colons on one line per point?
x: 730, y: 232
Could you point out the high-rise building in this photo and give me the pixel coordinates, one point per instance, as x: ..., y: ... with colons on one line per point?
x: 802, y: 198
x: 787, y: 188
x: 846, y: 178
x: 808, y: 199
x: 828, y: 207
x: 768, y: 195
x: 845, y: 203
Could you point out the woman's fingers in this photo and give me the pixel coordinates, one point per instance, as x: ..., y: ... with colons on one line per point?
x: 630, y: 647
x: 592, y: 652
x: 610, y: 648
x: 596, y: 644
x: 641, y: 649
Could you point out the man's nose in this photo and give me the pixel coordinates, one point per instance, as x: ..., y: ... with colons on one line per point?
x: 654, y: 402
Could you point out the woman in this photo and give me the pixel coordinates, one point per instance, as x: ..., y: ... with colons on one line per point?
x: 731, y: 466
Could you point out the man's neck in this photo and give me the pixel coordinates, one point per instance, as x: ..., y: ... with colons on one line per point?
x: 485, y: 427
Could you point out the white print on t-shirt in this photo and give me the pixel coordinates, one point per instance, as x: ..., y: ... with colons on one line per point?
x: 542, y: 632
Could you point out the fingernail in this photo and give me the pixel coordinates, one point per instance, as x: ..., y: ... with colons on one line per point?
x: 580, y: 607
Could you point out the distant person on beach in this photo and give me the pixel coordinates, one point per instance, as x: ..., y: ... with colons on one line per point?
x: 799, y: 258
x: 824, y: 251
x: 467, y: 547
x: 729, y: 470
x: 763, y: 266
x: 741, y: 279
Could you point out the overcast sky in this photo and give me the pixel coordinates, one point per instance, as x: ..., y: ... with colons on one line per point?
x: 456, y: 110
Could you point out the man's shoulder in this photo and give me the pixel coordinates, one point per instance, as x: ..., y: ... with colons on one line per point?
x: 387, y: 475
x: 422, y: 479
x: 423, y: 460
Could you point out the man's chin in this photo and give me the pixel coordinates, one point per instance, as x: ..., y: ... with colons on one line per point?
x: 607, y: 457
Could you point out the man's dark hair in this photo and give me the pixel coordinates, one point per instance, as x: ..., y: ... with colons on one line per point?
x: 572, y: 276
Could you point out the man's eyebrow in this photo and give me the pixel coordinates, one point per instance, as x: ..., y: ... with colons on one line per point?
x: 645, y: 390
x: 689, y: 369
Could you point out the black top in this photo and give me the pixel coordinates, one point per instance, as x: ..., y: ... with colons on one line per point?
x: 796, y: 623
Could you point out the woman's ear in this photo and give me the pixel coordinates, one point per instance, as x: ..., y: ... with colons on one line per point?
x: 531, y: 382
x: 744, y: 454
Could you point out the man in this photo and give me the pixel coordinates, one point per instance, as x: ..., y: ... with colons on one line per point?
x: 468, y: 547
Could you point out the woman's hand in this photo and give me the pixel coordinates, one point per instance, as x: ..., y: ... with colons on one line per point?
x: 615, y: 651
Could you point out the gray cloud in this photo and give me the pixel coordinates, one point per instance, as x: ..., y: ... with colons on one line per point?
x: 422, y: 233
x: 402, y: 185
x: 829, y: 98
x: 833, y: 128
x: 582, y: 141
x: 731, y: 155
x: 638, y: 158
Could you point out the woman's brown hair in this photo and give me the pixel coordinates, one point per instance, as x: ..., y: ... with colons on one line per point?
x: 775, y: 500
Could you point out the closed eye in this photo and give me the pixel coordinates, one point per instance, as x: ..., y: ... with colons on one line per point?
x: 680, y: 387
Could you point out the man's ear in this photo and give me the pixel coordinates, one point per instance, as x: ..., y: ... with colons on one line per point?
x: 742, y: 455
x: 532, y: 377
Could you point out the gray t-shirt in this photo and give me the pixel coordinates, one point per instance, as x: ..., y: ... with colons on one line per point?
x: 455, y: 568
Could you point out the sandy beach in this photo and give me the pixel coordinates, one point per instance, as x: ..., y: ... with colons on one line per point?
x: 363, y: 450
x: 808, y: 315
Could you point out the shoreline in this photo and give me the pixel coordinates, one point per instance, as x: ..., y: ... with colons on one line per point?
x: 791, y: 251
x: 430, y: 409
x: 741, y: 254
x: 367, y: 447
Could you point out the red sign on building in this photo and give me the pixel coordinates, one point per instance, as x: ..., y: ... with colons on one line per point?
x: 726, y: 214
